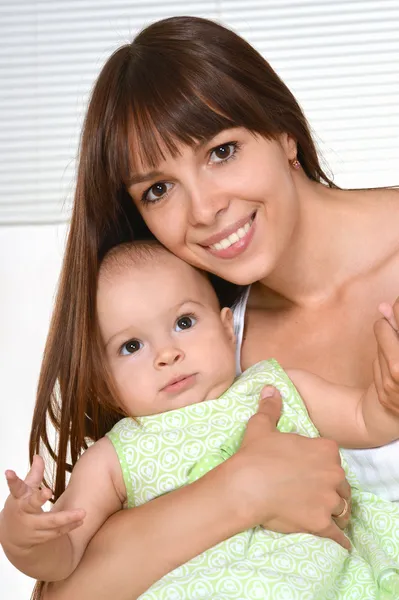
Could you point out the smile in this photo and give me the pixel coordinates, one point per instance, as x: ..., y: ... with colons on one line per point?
x: 234, y: 237
x: 235, y: 242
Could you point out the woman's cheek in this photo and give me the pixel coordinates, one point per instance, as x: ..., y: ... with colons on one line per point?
x: 170, y: 229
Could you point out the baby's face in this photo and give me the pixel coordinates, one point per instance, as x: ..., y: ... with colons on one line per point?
x: 166, y: 341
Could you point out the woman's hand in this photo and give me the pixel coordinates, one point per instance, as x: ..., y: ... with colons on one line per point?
x: 386, y: 365
x: 290, y: 483
x: 285, y: 482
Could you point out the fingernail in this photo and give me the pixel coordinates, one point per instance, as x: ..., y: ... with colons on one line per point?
x: 267, y: 392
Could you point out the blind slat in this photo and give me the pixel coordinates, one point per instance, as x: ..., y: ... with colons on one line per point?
x: 341, y: 60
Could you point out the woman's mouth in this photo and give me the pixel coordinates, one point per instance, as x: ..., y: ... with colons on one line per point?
x: 236, y: 242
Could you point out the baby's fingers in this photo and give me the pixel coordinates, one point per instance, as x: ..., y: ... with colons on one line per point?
x: 50, y: 525
x: 18, y: 488
x: 387, y: 311
x: 59, y: 520
x: 50, y: 534
x: 35, y: 476
x: 33, y: 502
x: 42, y: 534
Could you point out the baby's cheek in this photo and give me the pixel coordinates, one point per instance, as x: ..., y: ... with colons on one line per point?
x: 225, y: 367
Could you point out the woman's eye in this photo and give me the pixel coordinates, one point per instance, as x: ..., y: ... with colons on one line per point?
x: 157, y: 192
x: 185, y: 322
x: 131, y: 347
x: 223, y: 152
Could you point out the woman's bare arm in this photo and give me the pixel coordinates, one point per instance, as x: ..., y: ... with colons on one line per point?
x: 283, y: 481
x: 137, y: 547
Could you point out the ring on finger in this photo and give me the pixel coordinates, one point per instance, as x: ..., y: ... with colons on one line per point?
x: 344, y: 511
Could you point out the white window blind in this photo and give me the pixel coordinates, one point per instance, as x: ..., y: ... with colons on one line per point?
x: 341, y: 60
x: 51, y: 52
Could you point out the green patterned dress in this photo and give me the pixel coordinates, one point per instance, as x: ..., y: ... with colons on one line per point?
x: 166, y: 451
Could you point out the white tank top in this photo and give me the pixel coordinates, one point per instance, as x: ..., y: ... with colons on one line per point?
x: 377, y: 469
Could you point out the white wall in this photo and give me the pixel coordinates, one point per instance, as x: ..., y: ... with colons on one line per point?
x: 29, y: 267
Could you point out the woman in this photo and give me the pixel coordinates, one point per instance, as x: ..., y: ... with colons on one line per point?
x: 192, y: 138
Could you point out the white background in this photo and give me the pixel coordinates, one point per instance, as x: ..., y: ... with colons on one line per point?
x: 340, y: 58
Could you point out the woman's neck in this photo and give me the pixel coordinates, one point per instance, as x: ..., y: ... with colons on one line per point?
x: 339, y: 236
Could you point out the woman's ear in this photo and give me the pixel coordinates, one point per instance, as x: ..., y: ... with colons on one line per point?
x: 289, y: 145
x: 226, y: 317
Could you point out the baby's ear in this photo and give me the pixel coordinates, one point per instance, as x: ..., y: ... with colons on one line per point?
x: 226, y: 317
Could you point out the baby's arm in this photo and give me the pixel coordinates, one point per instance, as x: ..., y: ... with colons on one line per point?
x: 49, y: 545
x: 354, y: 418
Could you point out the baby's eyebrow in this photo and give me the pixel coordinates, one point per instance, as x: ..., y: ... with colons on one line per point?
x: 188, y: 301
x: 125, y: 334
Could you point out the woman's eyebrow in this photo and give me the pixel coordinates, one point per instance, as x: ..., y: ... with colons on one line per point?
x: 136, y: 178
x: 141, y: 177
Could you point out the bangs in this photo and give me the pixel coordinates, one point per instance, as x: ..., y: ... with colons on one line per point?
x: 180, y: 82
x: 165, y: 103
x: 158, y: 130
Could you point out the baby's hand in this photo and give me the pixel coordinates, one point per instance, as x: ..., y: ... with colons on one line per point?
x: 23, y: 523
x: 388, y: 313
x: 386, y: 365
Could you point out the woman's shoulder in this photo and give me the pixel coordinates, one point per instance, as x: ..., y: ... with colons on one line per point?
x: 385, y: 198
x: 386, y: 202
x: 378, y: 211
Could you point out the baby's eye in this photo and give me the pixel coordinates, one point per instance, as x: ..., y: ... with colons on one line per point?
x: 185, y: 322
x: 131, y: 347
x: 223, y: 152
x: 156, y: 192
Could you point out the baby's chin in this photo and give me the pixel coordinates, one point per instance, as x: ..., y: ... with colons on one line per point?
x: 166, y: 401
x: 219, y: 388
x: 160, y: 406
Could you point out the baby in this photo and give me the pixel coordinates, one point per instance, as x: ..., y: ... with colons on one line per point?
x: 170, y: 353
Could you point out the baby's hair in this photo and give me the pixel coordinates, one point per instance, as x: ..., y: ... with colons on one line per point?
x: 139, y: 253
x: 136, y: 253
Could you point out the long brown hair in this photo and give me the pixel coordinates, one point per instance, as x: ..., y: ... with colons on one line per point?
x: 182, y: 80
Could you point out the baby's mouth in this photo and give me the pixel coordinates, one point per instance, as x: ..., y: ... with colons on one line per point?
x: 179, y: 383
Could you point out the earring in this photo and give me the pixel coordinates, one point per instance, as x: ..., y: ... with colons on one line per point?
x: 295, y: 163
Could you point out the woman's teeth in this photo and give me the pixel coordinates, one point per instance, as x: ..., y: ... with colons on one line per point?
x: 233, y: 237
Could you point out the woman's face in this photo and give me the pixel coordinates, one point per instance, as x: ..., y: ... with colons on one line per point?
x: 228, y: 206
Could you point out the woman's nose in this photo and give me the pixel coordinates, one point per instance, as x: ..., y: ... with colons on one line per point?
x: 168, y: 356
x: 207, y: 203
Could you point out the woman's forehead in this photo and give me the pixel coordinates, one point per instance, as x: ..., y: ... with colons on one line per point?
x: 148, y: 156
x: 145, y: 165
x: 154, y: 137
